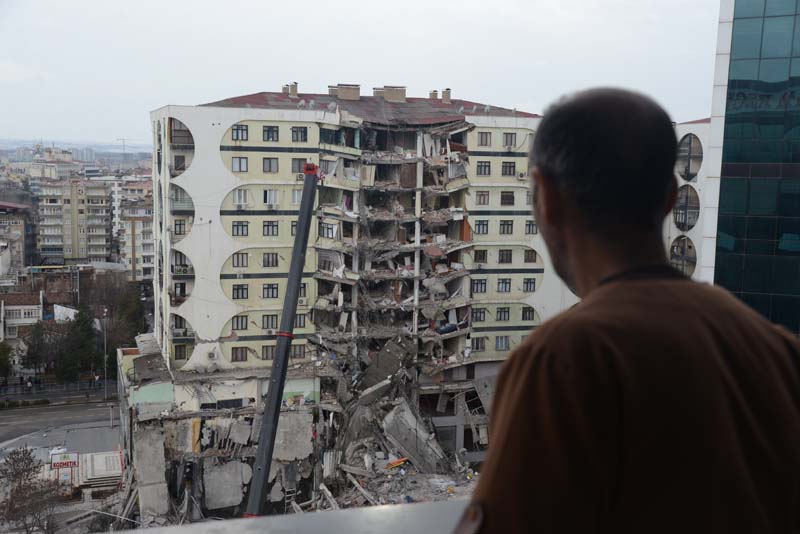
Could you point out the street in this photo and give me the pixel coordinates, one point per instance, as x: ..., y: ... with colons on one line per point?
x: 21, y: 421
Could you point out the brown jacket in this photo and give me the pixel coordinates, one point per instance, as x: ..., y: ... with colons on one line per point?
x: 655, y: 405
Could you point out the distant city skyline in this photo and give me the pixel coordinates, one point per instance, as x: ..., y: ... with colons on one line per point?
x: 514, y: 54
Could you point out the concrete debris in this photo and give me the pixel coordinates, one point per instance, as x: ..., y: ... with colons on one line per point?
x: 294, y: 439
x: 408, y: 434
x: 388, y: 406
x: 224, y: 484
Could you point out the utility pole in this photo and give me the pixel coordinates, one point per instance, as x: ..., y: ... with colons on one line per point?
x: 105, y: 354
x: 257, y: 496
x: 123, y: 139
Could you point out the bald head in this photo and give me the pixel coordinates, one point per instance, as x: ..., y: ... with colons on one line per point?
x: 612, y: 154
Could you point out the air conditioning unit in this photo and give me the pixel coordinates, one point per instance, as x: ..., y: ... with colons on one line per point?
x: 241, y: 205
x: 509, y: 149
x: 302, y: 301
x: 212, y: 355
x: 269, y: 331
x: 301, y: 176
x: 521, y: 176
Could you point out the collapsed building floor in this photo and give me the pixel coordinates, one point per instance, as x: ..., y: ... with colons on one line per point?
x: 391, y: 408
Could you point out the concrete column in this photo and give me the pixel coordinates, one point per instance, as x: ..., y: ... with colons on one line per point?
x: 417, y: 233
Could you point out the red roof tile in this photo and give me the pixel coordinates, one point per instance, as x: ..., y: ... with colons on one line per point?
x: 20, y: 299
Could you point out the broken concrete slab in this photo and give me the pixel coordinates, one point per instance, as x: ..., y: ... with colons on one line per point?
x: 371, y: 394
x: 293, y: 440
x: 240, y: 432
x: 224, y: 483
x: 485, y: 388
x: 412, y: 438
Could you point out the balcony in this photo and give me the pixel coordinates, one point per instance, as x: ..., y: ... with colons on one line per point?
x: 182, y: 270
x: 181, y: 204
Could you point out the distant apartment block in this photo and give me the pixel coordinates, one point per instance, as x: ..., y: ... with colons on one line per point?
x: 15, y: 233
x: 136, y: 238
x: 74, y: 222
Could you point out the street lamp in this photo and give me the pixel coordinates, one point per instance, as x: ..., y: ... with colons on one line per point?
x: 105, y: 354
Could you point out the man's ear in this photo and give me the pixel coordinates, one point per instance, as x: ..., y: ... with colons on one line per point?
x: 546, y: 202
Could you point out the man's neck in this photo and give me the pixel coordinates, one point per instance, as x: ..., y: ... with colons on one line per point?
x: 594, y: 261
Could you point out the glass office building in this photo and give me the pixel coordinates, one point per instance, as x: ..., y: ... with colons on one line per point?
x: 758, y: 233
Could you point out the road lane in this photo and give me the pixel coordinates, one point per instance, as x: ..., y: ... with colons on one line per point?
x: 21, y: 421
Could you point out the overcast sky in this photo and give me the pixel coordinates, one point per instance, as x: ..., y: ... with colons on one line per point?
x: 92, y: 70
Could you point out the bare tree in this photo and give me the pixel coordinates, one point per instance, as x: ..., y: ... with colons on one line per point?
x: 29, y: 500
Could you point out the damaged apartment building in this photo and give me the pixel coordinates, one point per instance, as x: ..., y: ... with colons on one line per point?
x: 424, y: 270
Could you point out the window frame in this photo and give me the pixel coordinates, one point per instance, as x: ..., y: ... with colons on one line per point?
x: 506, y: 227
x: 484, y: 138
x: 483, y: 168
x: 270, y: 228
x: 505, y: 255
x: 238, y: 354
x: 504, y: 285
x: 237, y: 161
x: 266, y: 134
x: 269, y: 256
x: 508, y: 168
x: 239, y: 322
x: 267, y: 165
x: 239, y: 259
x: 478, y: 285
x: 503, y: 314
x: 240, y: 292
x: 240, y: 132
x: 270, y: 291
x: 299, y: 134
x: 240, y: 228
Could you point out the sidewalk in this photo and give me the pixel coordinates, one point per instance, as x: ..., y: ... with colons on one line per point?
x: 62, y: 395
x: 44, y: 391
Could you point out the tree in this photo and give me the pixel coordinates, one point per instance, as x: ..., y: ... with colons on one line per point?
x: 5, y: 360
x: 40, y: 349
x: 29, y: 501
x: 79, y: 350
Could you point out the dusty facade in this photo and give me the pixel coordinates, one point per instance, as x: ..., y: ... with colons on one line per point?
x: 424, y: 270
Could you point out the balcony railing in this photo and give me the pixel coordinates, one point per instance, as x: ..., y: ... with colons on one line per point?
x: 181, y: 203
x: 182, y: 269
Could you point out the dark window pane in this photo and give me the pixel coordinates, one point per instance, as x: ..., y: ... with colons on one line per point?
x: 774, y: 70
x: 760, y: 303
x: 746, y: 41
x: 759, y: 246
x: 761, y: 227
x: 780, y: 7
x: 786, y: 275
x: 757, y: 275
x: 733, y: 196
x: 749, y: 8
x: 778, y: 36
x: 789, y: 198
x: 728, y: 271
x: 786, y: 311
x: 763, y: 196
